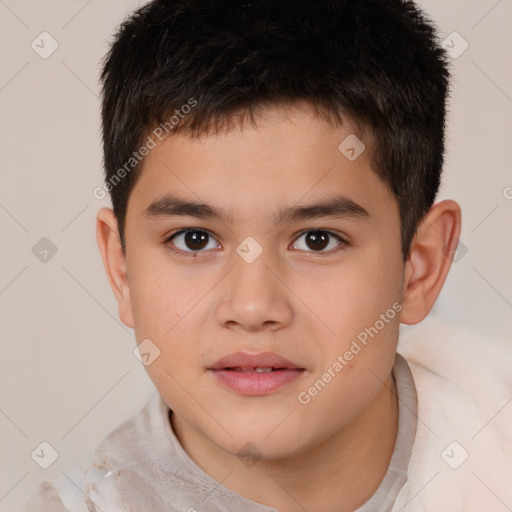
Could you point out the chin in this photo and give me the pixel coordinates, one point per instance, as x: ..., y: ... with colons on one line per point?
x: 252, y: 449
x: 258, y: 441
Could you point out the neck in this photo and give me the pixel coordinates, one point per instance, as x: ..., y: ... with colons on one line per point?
x: 340, y: 474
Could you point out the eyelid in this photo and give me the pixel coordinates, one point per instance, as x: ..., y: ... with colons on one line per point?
x: 332, y: 232
x: 184, y: 230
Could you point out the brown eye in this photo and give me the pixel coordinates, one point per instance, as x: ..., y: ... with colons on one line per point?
x: 192, y: 240
x: 196, y: 240
x: 318, y: 239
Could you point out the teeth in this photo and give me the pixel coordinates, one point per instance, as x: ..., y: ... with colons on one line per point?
x: 257, y: 370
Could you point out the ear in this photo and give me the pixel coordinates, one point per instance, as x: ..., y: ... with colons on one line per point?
x: 430, y: 259
x: 114, y: 261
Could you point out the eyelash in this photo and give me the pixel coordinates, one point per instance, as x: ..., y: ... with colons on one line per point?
x: 194, y: 254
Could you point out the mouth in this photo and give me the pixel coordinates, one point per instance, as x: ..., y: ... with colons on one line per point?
x: 257, y: 370
x: 255, y: 374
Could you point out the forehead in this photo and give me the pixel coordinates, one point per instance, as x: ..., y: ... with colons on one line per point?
x: 289, y: 157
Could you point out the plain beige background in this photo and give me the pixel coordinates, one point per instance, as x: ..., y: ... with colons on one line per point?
x: 68, y: 373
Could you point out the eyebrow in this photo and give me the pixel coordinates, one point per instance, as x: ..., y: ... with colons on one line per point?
x: 338, y: 206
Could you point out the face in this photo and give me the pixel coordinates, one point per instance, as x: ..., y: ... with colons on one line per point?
x: 318, y: 288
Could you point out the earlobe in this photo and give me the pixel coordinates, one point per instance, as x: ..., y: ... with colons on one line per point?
x: 430, y: 259
x: 114, y: 262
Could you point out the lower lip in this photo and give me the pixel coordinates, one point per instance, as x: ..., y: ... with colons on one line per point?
x: 254, y: 383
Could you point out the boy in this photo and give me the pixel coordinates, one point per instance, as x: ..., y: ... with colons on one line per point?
x: 273, y: 167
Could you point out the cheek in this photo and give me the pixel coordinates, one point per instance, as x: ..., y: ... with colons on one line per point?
x: 361, y: 306
x: 359, y: 291
x: 166, y: 304
x: 161, y: 297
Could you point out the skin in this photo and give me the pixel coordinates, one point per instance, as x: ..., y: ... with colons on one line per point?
x: 306, y: 305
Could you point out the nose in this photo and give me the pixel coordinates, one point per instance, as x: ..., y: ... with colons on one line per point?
x: 255, y: 296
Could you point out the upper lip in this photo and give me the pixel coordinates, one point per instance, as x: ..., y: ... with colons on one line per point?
x: 247, y: 361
